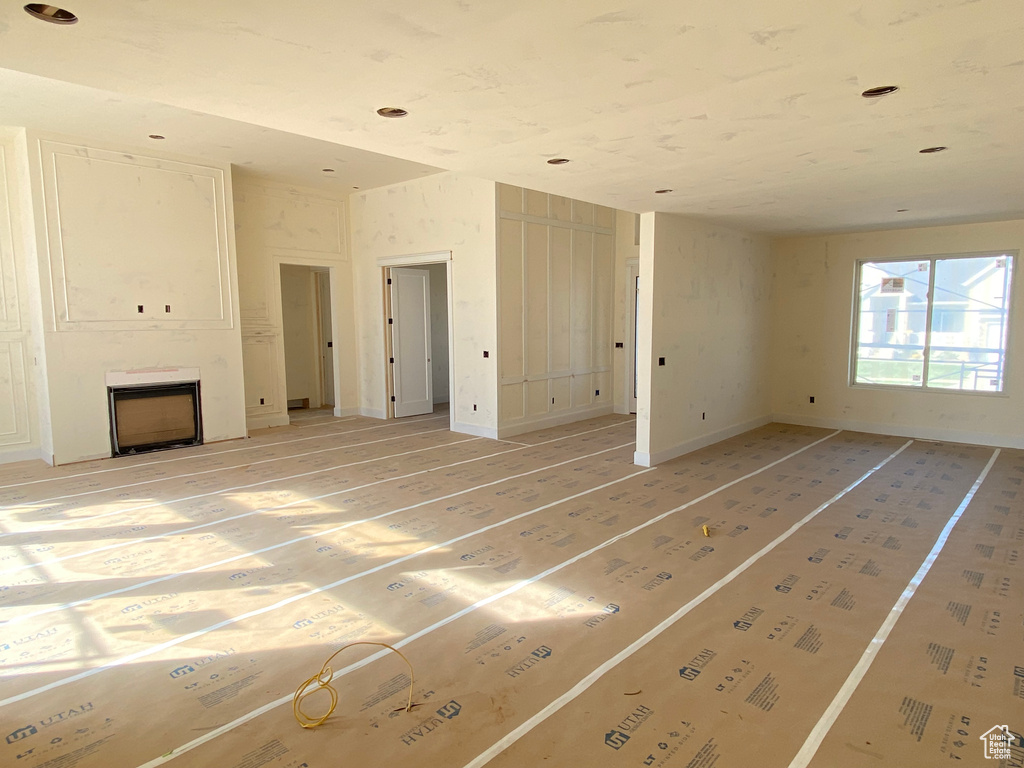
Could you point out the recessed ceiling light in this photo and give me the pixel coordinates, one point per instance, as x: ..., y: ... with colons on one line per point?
x: 932, y: 150
x: 902, y: 210
x: 392, y: 112
x: 157, y: 136
x: 882, y: 90
x: 50, y: 13
x: 558, y: 161
x: 355, y: 187
x: 662, y: 191
x: 328, y: 170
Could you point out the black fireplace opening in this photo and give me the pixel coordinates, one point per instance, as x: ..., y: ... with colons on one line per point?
x: 154, y: 417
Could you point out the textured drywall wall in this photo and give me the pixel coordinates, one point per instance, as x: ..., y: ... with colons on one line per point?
x: 276, y: 225
x: 19, y: 423
x: 555, y: 272
x: 297, y: 307
x: 812, y: 331
x: 439, y: 214
x: 705, y: 309
x: 117, y: 230
x: 439, y: 330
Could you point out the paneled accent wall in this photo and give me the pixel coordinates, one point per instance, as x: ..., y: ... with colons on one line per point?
x: 137, y: 269
x: 15, y: 431
x: 277, y: 225
x: 158, y: 225
x: 556, y: 258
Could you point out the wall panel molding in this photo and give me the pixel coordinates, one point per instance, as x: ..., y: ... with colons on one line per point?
x: 555, y: 280
x: 14, y: 429
x: 10, y: 316
x: 125, y: 231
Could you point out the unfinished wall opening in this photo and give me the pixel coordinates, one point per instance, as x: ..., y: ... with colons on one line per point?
x: 307, y: 324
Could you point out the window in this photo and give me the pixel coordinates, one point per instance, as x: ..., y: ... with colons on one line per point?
x: 934, y: 322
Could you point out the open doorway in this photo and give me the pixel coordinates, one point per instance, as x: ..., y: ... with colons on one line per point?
x: 417, y: 338
x: 307, y: 329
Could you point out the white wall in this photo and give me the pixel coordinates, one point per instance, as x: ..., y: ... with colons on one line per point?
x: 556, y: 261
x: 300, y: 340
x: 20, y: 433
x: 705, y: 308
x: 441, y: 213
x: 115, y: 229
x: 278, y: 225
x: 439, y: 330
x: 813, y: 311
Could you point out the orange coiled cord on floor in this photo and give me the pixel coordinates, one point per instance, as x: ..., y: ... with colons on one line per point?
x: 323, y: 680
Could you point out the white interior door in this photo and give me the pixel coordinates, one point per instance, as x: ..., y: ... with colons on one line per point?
x: 631, y: 375
x: 410, y: 341
x: 323, y: 285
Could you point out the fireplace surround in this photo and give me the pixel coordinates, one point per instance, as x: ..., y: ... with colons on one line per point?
x: 153, y: 415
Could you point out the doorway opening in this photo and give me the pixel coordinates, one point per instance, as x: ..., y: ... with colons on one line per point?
x: 418, y: 335
x: 307, y: 326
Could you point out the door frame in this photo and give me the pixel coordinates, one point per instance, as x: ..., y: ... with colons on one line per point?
x: 321, y: 277
x: 385, y: 263
x: 277, y: 259
x: 629, y: 391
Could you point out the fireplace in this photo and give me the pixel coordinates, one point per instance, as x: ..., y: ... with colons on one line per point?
x: 154, y: 416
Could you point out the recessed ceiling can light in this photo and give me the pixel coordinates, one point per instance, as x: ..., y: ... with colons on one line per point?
x: 662, y: 191
x: 328, y: 170
x: 50, y: 13
x: 558, y: 161
x: 157, y: 136
x: 392, y: 112
x: 902, y: 210
x: 932, y: 150
x: 882, y: 90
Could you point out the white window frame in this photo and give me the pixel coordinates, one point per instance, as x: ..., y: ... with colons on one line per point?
x: 932, y: 259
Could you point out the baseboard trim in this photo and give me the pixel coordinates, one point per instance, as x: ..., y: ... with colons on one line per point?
x: 267, y: 421
x: 945, y: 435
x: 645, y: 459
x: 477, y: 430
x: 25, y: 454
x: 555, y: 420
x: 352, y: 410
x: 372, y: 413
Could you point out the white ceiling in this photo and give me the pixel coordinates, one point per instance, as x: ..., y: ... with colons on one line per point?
x: 42, y: 104
x: 750, y: 111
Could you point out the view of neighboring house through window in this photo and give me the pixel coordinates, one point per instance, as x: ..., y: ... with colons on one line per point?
x: 933, y: 323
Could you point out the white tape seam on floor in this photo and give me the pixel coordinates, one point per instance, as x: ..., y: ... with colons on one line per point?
x: 199, y: 455
x: 317, y: 535
x: 289, y: 457
x: 127, y: 510
x: 295, y: 598
x: 129, y: 542
x: 293, y: 503
x: 828, y: 719
x: 502, y: 744
x: 217, y: 732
